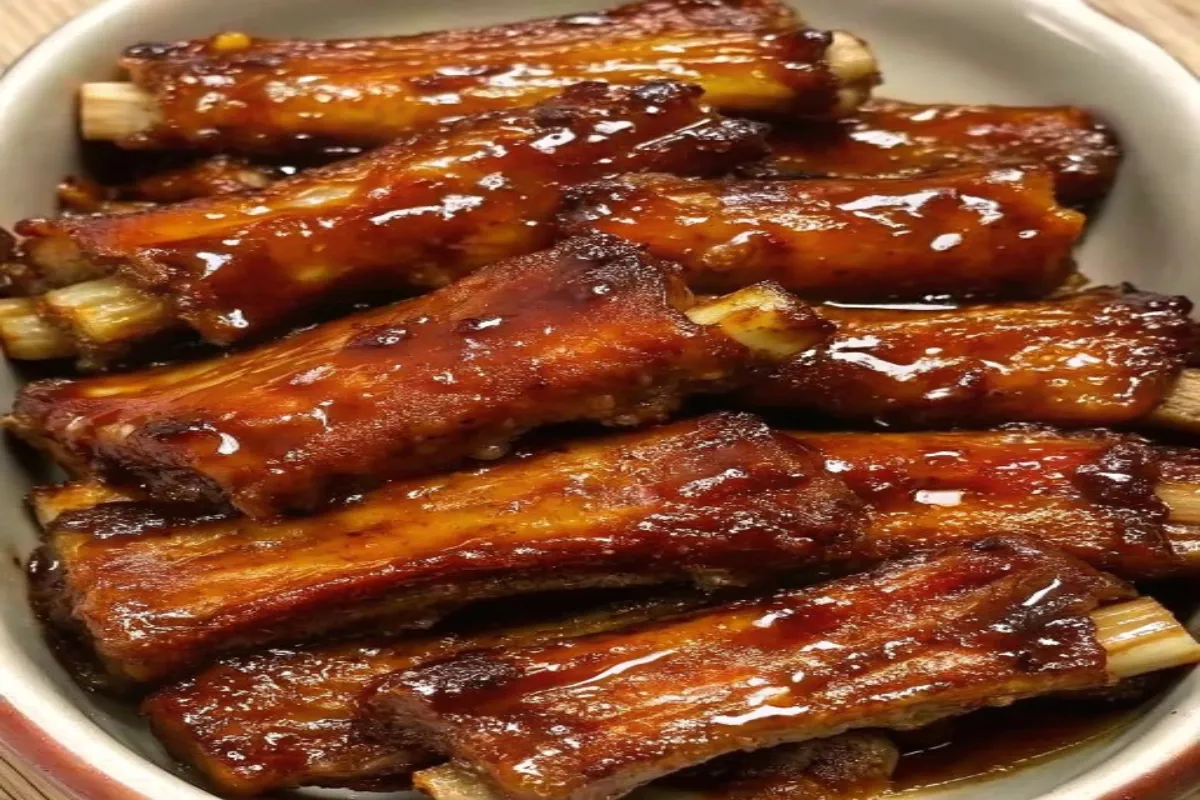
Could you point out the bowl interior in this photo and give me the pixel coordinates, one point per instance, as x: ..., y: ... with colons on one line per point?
x: 1006, y: 51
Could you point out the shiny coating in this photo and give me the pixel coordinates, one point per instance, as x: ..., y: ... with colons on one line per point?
x: 911, y: 642
x: 973, y: 234
x: 588, y: 330
x: 286, y: 717
x: 238, y: 92
x: 714, y: 500
x: 409, y: 217
x: 1091, y: 493
x: 1102, y: 357
x: 889, y: 138
x: 852, y: 766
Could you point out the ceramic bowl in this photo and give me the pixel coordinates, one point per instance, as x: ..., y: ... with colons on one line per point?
x: 1005, y: 51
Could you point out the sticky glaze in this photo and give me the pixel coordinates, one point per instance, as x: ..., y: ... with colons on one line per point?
x: 289, y: 717
x: 908, y: 643
x: 715, y: 500
x: 975, y: 233
x: 409, y: 217
x: 1103, y: 357
x: 1091, y: 493
x: 588, y: 330
x: 234, y: 91
x: 889, y: 138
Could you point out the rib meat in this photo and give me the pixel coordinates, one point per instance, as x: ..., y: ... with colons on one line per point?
x: 889, y: 138
x: 749, y: 56
x: 908, y: 643
x: 283, y: 718
x: 411, y: 216
x: 1102, y: 357
x: 852, y: 766
x: 589, y: 330
x: 1095, y: 494
x: 972, y: 233
x: 717, y: 499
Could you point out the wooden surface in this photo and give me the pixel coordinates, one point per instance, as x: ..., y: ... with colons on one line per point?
x: 1175, y: 24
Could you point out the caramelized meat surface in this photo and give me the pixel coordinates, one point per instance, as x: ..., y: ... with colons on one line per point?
x: 889, y: 138
x: 589, y: 330
x: 283, y: 718
x: 928, y: 636
x: 207, y: 177
x: 748, y: 55
x: 715, y: 500
x: 411, y: 216
x: 974, y: 233
x: 1093, y: 494
x: 1103, y: 357
x: 853, y: 766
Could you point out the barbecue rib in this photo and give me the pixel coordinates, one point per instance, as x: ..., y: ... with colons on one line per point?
x: 852, y: 766
x: 750, y: 56
x: 206, y: 177
x: 715, y: 500
x: 911, y: 642
x: 1112, y: 500
x: 1102, y: 357
x: 284, y: 718
x: 969, y: 234
x: 889, y: 138
x: 412, y: 216
x: 592, y: 329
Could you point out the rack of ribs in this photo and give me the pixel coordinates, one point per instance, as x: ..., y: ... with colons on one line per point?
x: 1114, y: 500
x: 717, y: 500
x: 590, y: 330
x: 750, y: 56
x: 974, y: 233
x: 1103, y: 357
x: 894, y: 139
x: 410, y: 217
x: 911, y: 642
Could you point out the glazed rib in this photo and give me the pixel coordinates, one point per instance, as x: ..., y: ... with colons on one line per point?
x: 1113, y: 500
x: 591, y: 330
x: 284, y: 718
x: 931, y: 636
x: 412, y: 216
x: 1099, y: 358
x: 889, y: 138
x: 715, y: 500
x: 852, y: 766
x: 750, y: 56
x: 969, y: 234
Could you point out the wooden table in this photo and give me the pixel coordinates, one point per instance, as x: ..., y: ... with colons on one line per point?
x: 1175, y: 24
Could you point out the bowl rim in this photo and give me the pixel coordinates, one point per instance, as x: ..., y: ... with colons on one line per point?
x: 29, y: 741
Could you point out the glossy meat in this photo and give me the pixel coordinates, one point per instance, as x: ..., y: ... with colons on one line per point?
x: 589, y: 330
x: 714, y: 500
x: 207, y: 177
x: 853, y: 766
x: 974, y: 233
x: 749, y: 56
x: 889, y: 138
x: 1093, y: 493
x: 1103, y: 357
x: 928, y: 637
x: 283, y: 717
x: 412, y: 216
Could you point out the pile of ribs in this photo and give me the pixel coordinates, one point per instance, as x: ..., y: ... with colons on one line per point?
x: 626, y: 404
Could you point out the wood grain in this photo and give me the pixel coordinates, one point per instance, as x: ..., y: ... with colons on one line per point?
x: 1174, y: 24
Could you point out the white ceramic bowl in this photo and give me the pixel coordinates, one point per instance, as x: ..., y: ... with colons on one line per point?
x: 1006, y: 51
